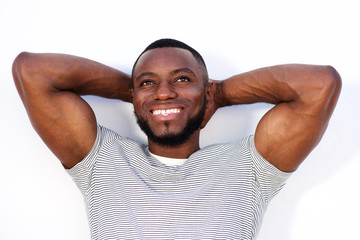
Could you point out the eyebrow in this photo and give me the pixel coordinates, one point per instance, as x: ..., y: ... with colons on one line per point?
x: 185, y: 69
x: 145, y: 74
x: 188, y: 70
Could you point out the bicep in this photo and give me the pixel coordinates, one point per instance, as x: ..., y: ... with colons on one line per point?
x: 288, y: 133
x: 65, y: 122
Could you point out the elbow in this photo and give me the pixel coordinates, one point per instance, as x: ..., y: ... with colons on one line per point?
x: 22, y: 58
x: 333, y: 77
x: 329, y: 89
x: 20, y: 71
x: 332, y: 82
x: 20, y: 66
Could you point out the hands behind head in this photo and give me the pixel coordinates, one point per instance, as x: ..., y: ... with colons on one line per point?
x: 211, y: 96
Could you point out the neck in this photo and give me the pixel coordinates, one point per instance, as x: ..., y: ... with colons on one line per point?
x: 181, y: 151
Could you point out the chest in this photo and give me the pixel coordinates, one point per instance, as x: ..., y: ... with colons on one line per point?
x: 207, y: 204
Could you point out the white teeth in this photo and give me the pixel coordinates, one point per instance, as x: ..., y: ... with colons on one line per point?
x: 166, y: 112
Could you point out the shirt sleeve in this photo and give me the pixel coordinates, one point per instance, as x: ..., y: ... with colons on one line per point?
x: 81, y: 173
x: 269, y: 178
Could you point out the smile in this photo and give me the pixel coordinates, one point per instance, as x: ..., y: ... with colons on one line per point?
x: 166, y: 112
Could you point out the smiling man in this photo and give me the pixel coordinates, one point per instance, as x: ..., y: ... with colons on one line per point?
x: 170, y: 188
x: 170, y: 99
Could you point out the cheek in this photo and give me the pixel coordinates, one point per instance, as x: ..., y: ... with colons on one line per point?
x: 137, y: 103
x: 199, y: 99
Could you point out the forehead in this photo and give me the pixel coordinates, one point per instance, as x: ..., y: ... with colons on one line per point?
x: 166, y: 59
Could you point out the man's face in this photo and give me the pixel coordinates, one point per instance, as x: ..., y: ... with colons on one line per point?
x: 169, y: 95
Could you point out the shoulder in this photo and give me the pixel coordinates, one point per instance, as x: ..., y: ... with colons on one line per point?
x: 108, y: 146
x: 107, y: 142
x: 106, y: 136
x: 243, y: 153
x: 230, y: 151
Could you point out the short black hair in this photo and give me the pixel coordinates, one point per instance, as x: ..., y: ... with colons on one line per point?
x: 168, y: 42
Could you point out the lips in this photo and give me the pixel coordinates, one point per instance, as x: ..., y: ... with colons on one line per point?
x: 166, y: 112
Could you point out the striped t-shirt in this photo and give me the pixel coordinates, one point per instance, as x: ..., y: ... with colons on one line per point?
x: 221, y: 192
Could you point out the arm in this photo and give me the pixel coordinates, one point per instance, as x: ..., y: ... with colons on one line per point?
x: 304, y: 97
x: 50, y: 86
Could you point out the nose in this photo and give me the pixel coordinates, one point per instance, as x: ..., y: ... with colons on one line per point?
x: 164, y: 91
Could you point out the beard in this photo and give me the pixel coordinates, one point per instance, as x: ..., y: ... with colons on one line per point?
x: 173, y: 139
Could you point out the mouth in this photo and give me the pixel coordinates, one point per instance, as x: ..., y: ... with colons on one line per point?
x: 165, y: 112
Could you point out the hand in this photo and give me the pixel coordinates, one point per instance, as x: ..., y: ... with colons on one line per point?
x: 211, y: 104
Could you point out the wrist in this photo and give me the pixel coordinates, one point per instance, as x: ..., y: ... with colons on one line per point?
x: 217, y: 89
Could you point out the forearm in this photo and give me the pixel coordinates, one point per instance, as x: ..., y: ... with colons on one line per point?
x: 60, y: 72
x: 276, y: 84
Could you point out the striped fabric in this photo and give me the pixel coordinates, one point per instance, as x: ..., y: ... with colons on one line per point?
x: 221, y: 192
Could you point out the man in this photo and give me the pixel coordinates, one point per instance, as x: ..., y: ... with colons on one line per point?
x: 172, y: 189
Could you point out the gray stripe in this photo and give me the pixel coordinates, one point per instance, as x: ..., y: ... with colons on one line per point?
x: 221, y: 192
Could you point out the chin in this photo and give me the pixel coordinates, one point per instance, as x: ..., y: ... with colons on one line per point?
x: 171, y: 135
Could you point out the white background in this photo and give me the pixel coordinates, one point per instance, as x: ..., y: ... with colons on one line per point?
x: 38, y: 200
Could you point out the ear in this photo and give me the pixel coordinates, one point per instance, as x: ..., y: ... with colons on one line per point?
x: 210, y: 103
x: 209, y: 94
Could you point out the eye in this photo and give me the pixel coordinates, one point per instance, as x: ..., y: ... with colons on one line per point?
x: 183, y: 79
x: 146, y: 83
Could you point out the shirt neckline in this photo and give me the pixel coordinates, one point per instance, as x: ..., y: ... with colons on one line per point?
x: 171, y: 162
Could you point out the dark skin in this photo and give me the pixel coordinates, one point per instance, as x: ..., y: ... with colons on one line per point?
x: 172, y: 82
x: 50, y: 86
